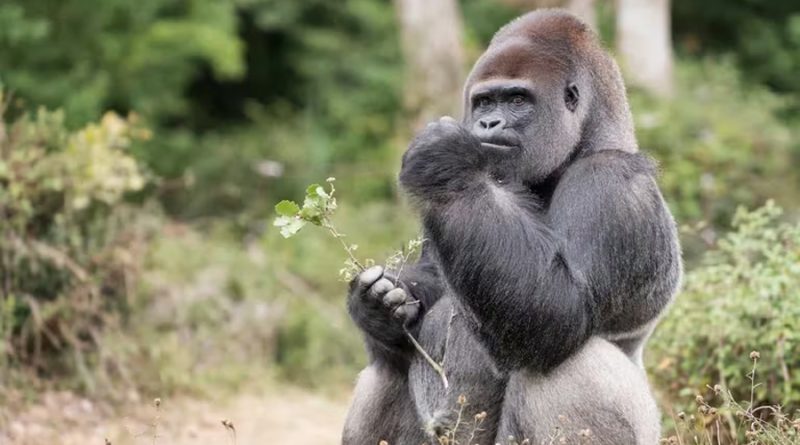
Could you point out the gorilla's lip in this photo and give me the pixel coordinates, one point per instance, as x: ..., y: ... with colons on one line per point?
x: 499, y: 142
x: 498, y: 146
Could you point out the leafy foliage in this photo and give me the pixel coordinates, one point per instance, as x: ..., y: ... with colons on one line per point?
x: 744, y: 297
x: 68, y: 243
x: 719, y: 143
x: 85, y: 57
x: 762, y: 37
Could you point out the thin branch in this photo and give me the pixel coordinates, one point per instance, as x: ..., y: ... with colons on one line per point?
x: 436, y: 366
x: 327, y: 224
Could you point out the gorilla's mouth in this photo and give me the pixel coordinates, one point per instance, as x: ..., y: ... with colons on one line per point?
x: 494, y: 146
x: 498, y: 142
x: 501, y: 142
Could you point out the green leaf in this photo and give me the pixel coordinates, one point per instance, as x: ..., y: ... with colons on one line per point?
x: 287, y: 208
x: 312, y: 212
x: 289, y: 225
x: 311, y: 191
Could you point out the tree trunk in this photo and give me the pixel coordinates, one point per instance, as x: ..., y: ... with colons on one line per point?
x: 431, y: 32
x: 644, y: 44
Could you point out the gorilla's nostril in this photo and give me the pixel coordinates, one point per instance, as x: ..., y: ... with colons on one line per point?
x: 489, y: 124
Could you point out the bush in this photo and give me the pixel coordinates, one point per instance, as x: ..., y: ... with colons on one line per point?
x: 719, y: 143
x: 744, y: 297
x: 68, y: 242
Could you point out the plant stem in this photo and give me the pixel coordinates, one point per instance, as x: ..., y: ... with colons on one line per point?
x: 327, y: 224
x: 436, y: 366
x: 752, y: 385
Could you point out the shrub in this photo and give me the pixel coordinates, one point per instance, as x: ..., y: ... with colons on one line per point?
x: 743, y: 297
x: 719, y: 142
x: 68, y: 245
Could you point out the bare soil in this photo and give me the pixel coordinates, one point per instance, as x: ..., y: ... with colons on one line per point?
x: 280, y: 416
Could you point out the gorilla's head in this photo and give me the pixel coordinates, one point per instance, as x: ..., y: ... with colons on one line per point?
x: 545, y: 90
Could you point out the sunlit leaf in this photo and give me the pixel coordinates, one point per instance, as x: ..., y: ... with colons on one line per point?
x: 287, y: 208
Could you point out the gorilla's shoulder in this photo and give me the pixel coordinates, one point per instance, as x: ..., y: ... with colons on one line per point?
x: 613, y: 163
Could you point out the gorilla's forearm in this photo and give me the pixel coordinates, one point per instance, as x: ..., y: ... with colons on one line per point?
x: 509, y: 271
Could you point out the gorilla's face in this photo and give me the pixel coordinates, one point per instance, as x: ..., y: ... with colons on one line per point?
x: 526, y: 107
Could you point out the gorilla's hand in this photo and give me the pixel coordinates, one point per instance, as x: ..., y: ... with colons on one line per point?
x: 382, y: 309
x: 443, y: 158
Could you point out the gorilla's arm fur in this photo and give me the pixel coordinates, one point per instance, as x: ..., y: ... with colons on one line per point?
x: 538, y: 282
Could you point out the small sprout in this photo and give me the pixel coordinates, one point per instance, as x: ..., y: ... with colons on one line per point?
x: 480, y: 416
x: 717, y: 389
x: 699, y: 399
x: 157, y: 402
x: 585, y: 433
x: 682, y: 415
x: 755, y: 355
x: 462, y: 399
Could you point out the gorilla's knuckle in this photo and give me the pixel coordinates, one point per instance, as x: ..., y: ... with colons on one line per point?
x: 394, y: 297
x: 381, y: 287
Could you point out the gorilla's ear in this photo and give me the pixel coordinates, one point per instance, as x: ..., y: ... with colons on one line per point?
x: 571, y: 96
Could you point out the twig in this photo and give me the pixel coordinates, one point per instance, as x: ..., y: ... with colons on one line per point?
x: 436, y: 366
x: 327, y: 224
x: 752, y: 382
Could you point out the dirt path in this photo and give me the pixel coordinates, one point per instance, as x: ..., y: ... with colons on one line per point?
x: 286, y: 416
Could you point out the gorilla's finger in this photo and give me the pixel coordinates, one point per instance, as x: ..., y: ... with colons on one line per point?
x: 380, y: 287
x: 395, y: 297
x: 406, y: 312
x: 369, y: 277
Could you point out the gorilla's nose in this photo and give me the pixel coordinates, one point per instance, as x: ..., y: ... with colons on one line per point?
x: 488, y: 124
x: 489, y: 128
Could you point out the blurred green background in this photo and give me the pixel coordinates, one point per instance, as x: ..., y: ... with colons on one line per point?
x: 144, y: 144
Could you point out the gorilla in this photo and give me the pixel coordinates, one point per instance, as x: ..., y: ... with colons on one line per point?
x: 549, y: 257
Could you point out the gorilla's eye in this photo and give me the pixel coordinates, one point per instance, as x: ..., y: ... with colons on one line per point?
x: 483, y: 102
x: 518, y: 100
